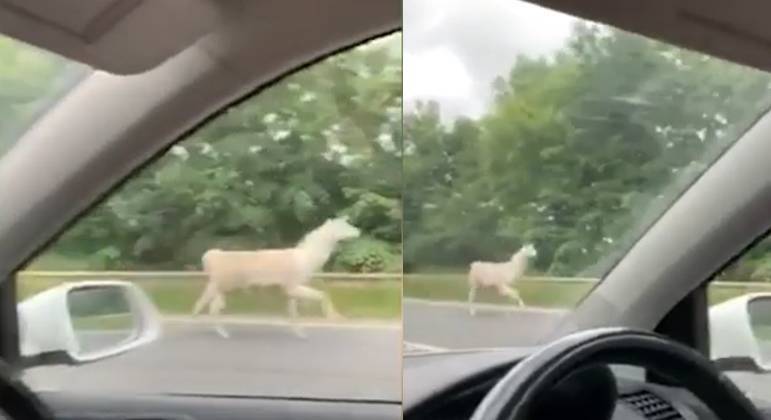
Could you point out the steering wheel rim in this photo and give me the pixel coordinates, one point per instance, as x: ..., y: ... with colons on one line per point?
x: 514, y: 395
x: 17, y: 401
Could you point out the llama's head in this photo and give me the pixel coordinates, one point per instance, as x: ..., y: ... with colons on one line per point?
x: 528, y: 250
x: 339, y: 229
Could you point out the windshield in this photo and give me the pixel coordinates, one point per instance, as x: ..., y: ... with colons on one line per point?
x: 31, y: 81
x: 268, y: 241
x: 538, y: 148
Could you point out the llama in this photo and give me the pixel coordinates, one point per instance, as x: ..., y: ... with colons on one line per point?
x: 500, y: 275
x: 291, y: 268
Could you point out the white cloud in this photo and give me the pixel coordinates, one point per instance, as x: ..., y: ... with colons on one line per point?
x: 435, y: 73
x: 454, y: 49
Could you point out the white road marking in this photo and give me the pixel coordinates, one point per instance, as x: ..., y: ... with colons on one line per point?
x: 410, y: 346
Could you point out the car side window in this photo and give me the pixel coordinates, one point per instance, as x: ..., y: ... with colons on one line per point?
x: 740, y: 318
x: 268, y: 242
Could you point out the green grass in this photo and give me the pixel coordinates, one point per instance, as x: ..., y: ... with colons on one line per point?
x: 380, y: 299
x: 59, y: 262
x: 366, y: 299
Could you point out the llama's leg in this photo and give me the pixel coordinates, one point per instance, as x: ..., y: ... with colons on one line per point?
x: 512, y: 293
x: 216, y: 306
x: 309, y: 293
x: 209, y: 292
x: 472, y: 292
x: 291, y: 305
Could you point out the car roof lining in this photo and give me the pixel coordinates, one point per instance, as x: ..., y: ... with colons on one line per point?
x: 141, y: 115
x: 738, y: 33
x: 120, y: 36
x: 131, y: 36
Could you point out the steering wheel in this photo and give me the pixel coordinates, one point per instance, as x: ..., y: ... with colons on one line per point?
x: 515, y: 396
x: 17, y: 402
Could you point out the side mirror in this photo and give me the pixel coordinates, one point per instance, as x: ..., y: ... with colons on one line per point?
x: 85, y: 321
x: 740, y: 333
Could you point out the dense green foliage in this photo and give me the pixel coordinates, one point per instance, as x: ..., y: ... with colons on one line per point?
x: 323, y: 142
x: 578, y: 153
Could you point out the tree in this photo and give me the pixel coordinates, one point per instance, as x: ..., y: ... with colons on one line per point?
x: 579, y: 152
x: 325, y: 141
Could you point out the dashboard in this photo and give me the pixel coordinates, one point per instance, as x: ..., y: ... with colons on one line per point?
x: 451, y: 385
x: 79, y: 406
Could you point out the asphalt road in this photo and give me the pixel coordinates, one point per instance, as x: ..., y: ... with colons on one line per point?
x: 333, y: 361
x: 449, y: 325
x: 269, y: 360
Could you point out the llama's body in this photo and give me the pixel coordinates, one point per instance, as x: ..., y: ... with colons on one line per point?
x: 289, y: 268
x: 233, y: 270
x: 493, y: 274
x: 499, y: 275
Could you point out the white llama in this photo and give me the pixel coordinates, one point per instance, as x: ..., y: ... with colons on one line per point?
x: 500, y: 275
x: 291, y: 268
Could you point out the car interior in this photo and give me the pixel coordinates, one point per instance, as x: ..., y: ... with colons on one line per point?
x: 712, y: 224
x: 164, y: 67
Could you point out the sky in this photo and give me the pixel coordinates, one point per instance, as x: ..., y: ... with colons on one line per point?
x: 454, y: 49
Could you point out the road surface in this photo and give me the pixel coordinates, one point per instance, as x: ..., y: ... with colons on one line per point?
x: 350, y: 361
x: 449, y: 325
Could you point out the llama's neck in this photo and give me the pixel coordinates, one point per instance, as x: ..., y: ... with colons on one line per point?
x: 519, y: 263
x: 316, y: 250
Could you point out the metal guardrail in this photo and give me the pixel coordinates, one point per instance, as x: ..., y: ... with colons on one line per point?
x: 593, y: 280
x: 156, y: 275
x: 526, y: 278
